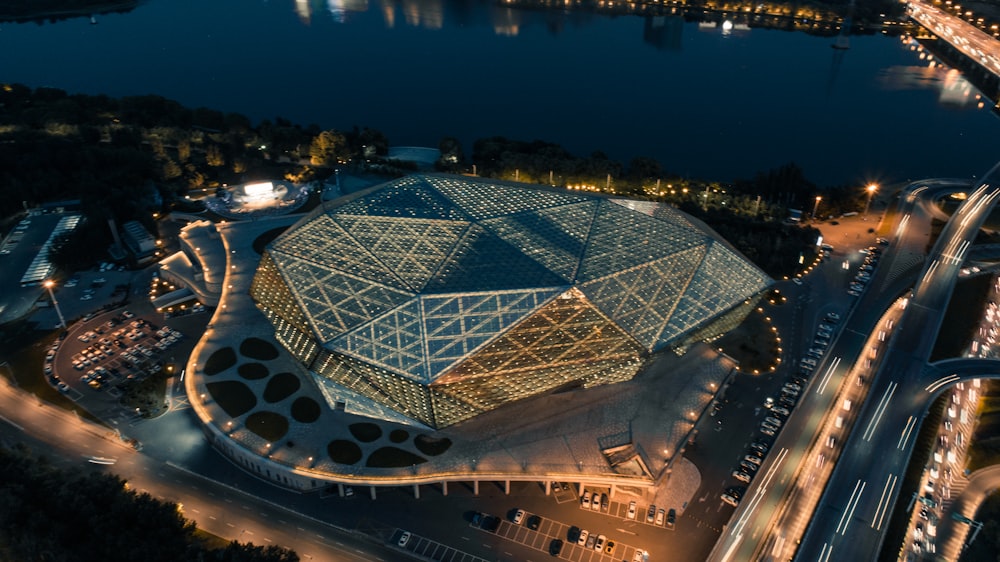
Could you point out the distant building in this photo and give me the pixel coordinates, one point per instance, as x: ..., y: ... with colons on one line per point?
x: 138, y: 240
x: 432, y: 299
x: 200, y: 265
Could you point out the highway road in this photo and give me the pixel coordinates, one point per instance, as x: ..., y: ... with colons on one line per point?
x: 850, y: 522
x: 220, y: 509
x: 969, y: 39
x: 773, y: 514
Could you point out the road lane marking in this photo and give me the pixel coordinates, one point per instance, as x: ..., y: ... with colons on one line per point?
x: 883, y: 404
x: 905, y: 436
x: 883, y: 502
x: 934, y: 386
x: 852, y: 504
x: 902, y: 225
x: 825, y: 552
x: 759, y: 493
x: 826, y: 376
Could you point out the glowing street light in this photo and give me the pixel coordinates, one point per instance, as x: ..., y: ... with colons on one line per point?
x: 48, y: 285
x: 871, y: 189
x: 816, y: 205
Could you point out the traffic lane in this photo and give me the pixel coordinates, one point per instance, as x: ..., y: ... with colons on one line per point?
x: 77, y: 440
x: 237, y: 515
x: 866, y: 481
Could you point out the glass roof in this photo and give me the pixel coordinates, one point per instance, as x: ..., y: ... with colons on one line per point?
x: 415, y: 275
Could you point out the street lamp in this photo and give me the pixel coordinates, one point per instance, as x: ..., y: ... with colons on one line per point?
x: 816, y: 205
x: 48, y: 285
x: 871, y: 189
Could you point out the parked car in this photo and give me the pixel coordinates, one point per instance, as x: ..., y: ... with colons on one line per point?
x: 651, y: 514
x: 631, y: 510
x: 741, y: 476
x: 518, y: 517
x: 404, y: 538
x: 599, y: 543
x: 671, y: 518
x: 659, y: 517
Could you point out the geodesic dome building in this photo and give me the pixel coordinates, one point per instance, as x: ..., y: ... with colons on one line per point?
x: 432, y: 299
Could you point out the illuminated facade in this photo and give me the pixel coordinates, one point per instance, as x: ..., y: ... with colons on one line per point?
x: 437, y: 298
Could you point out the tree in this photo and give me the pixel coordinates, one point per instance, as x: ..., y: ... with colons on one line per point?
x: 328, y: 148
x: 171, y: 170
x: 213, y: 156
x: 451, y: 153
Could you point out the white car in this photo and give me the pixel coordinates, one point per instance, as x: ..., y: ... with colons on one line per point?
x: 599, y: 545
x: 585, y: 500
x: 518, y: 517
x: 404, y: 538
x: 584, y: 534
x: 631, y: 510
x: 741, y: 476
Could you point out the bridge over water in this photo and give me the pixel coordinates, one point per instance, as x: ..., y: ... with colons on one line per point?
x: 966, y: 38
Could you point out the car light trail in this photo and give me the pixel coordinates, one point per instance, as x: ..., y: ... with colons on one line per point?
x: 883, y: 502
x: 907, y: 431
x: 852, y: 504
x: 902, y: 225
x: 930, y: 271
x: 883, y: 403
x: 759, y: 493
x: 825, y: 553
x: 827, y: 375
x: 934, y: 386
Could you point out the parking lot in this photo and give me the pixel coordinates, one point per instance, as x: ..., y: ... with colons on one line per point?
x: 549, y: 530
x: 119, y: 348
x: 431, y: 549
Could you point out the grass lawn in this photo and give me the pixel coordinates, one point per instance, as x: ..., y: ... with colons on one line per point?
x: 147, y: 396
x: 269, y: 425
x: 220, y: 360
x: 305, y: 410
x: 281, y: 386
x: 753, y: 344
x: 208, y: 540
x: 234, y: 397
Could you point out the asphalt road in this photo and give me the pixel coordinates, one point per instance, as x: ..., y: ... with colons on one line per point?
x: 771, y: 517
x: 850, y: 522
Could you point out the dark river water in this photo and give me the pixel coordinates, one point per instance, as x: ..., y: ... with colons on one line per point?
x: 711, y: 102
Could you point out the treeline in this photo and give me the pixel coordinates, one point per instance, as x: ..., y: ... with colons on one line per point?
x: 54, y: 10
x: 108, y: 151
x: 48, y: 513
x: 124, y: 157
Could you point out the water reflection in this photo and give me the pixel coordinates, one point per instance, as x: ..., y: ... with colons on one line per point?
x: 663, y: 20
